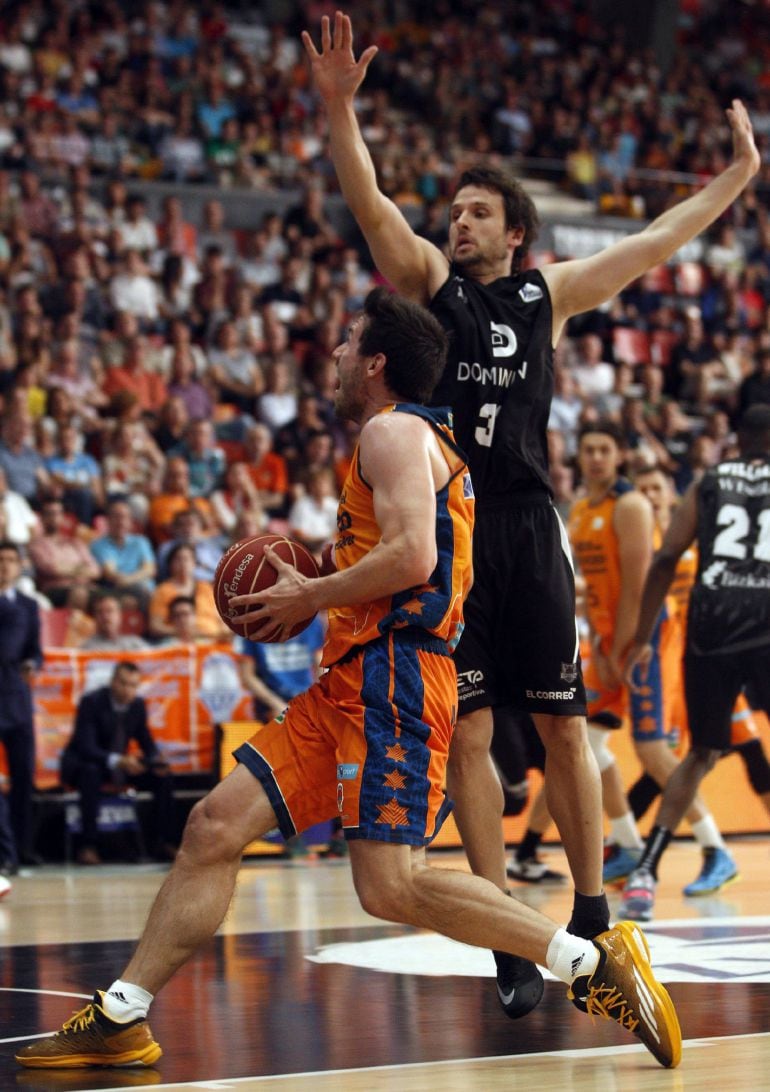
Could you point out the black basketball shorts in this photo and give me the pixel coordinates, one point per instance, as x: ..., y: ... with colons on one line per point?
x: 712, y: 684
x: 520, y: 643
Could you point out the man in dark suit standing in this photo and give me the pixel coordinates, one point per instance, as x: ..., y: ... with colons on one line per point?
x: 107, y: 720
x: 19, y: 656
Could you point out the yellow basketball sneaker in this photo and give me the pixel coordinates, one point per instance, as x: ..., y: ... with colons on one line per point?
x: 91, y: 1037
x: 624, y: 989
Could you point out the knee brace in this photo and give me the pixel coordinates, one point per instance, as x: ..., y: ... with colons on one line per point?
x: 597, y: 739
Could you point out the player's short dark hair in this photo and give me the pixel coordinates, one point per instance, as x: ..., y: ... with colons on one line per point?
x: 520, y: 211
x: 605, y: 427
x: 412, y: 340
x: 180, y: 601
x: 6, y: 545
x: 754, y: 430
x: 176, y: 549
x: 125, y: 665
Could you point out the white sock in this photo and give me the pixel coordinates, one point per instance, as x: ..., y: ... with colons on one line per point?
x: 623, y: 832
x: 569, y: 956
x: 124, y: 1001
x: 706, y: 833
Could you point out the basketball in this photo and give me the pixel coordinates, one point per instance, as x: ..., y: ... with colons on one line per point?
x: 244, y: 569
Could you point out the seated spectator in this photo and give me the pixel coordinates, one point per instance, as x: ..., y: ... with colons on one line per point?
x: 234, y: 369
x: 267, y: 470
x: 277, y: 404
x: 134, y: 376
x: 593, y: 375
x: 137, y: 230
x: 238, y: 494
x: 107, y: 721
x: 182, y: 581
x: 275, y: 673
x: 174, y: 497
x: 214, y: 233
x: 177, y: 236
x: 127, y: 560
x: 204, y: 459
x: 75, y: 476
x: 180, y: 339
x: 61, y: 560
x: 694, y: 363
x: 19, y: 521
x: 189, y: 526
x: 172, y: 424
x: 132, y: 467
x: 182, y: 622
x: 755, y: 388
x: 134, y: 290
x: 313, y: 517
x: 182, y: 383
x: 108, y: 635
x: 23, y: 465
x: 290, y: 440
x: 566, y: 407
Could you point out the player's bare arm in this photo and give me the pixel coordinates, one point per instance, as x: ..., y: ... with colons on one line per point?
x: 633, y: 525
x: 396, y: 461
x: 580, y: 285
x: 415, y: 267
x: 679, y: 537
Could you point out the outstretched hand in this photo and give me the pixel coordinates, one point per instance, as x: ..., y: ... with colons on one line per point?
x: 336, y: 72
x: 637, y: 656
x: 744, y: 147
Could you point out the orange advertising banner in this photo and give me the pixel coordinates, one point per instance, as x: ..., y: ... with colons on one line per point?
x: 188, y: 689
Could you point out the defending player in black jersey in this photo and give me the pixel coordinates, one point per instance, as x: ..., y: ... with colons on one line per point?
x: 728, y: 624
x: 520, y: 643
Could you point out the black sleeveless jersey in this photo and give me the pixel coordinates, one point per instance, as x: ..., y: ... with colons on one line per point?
x: 730, y: 601
x: 499, y: 379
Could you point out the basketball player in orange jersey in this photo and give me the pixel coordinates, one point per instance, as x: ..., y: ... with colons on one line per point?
x: 519, y: 647
x: 369, y: 741
x: 612, y: 534
x: 719, y: 868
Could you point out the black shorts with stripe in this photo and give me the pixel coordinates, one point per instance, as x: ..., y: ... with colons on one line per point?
x: 520, y: 643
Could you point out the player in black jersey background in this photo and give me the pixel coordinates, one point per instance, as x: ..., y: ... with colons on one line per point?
x: 728, y: 623
x: 520, y: 643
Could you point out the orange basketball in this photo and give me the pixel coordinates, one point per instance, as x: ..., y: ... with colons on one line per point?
x: 245, y: 569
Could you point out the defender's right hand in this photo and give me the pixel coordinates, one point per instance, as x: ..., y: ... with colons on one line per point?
x: 336, y: 72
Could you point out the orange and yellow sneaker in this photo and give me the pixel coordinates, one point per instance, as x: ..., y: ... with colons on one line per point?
x: 91, y: 1037
x: 624, y: 989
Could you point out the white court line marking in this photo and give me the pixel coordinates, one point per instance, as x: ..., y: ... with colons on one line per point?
x: 584, y: 1052
x: 48, y: 993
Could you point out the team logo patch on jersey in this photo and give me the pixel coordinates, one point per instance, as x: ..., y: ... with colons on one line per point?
x: 568, y: 673
x: 504, y: 341
x: 597, y: 523
x: 468, y: 493
x: 347, y: 771
x: 530, y: 292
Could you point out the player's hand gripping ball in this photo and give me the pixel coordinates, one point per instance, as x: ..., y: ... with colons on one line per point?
x: 245, y: 569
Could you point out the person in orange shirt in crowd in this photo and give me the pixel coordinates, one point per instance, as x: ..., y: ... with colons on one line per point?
x: 134, y: 376
x: 173, y: 498
x: 182, y: 582
x: 267, y: 469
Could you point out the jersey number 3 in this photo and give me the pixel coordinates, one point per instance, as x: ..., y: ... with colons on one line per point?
x: 731, y: 541
x: 484, y: 432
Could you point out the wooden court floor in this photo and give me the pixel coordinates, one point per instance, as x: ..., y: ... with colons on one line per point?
x: 302, y: 990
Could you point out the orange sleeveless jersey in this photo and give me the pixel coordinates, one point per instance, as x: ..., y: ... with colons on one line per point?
x: 595, y: 546
x: 434, y: 607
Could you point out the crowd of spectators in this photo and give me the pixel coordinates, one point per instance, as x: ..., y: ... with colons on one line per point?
x: 166, y: 381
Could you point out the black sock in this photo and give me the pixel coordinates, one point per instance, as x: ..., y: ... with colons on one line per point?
x: 590, y: 916
x: 657, y: 840
x: 641, y: 795
x: 528, y: 845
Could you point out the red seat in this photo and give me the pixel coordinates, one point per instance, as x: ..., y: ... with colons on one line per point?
x: 658, y: 279
x: 630, y: 346
x: 662, y: 343
x: 53, y: 627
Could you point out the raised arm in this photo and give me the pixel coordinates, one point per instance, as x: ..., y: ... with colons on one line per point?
x: 579, y: 285
x: 415, y: 267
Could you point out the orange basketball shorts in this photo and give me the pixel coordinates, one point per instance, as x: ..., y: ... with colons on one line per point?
x: 368, y: 742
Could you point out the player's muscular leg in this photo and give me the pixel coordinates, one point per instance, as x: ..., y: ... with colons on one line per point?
x: 660, y: 762
x: 682, y: 785
x: 574, y: 794
x: 196, y: 893
x: 396, y: 885
x: 474, y: 786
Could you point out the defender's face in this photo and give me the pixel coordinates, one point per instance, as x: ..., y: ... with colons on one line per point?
x: 479, y: 240
x: 599, y: 458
